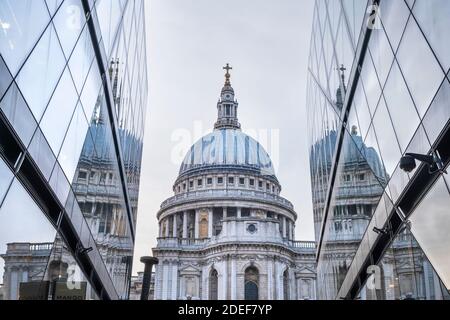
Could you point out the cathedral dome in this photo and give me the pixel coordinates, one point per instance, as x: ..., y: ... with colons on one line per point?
x: 228, y: 147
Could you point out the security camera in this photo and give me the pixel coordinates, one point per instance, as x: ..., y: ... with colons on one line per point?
x: 407, y: 163
x: 381, y: 231
x: 433, y: 161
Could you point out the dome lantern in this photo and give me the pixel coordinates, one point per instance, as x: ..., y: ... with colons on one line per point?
x: 227, y: 105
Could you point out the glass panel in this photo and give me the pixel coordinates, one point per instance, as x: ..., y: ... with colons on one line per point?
x: 362, y: 110
x: 355, y: 13
x: 404, y: 273
x: 41, y: 73
x: 81, y: 59
x: 400, y: 106
x: 53, y: 5
x: 413, y: 49
x: 18, y: 114
x: 355, y: 197
x: 372, y: 154
x: 25, y: 234
x: 69, y: 22
x: 97, y: 187
x: 73, y: 144
x: 390, y: 150
x: 59, y: 112
x: 21, y: 24
x: 67, y: 281
x: 430, y: 224
x: 439, y: 113
x: 5, y: 179
x: 371, y: 85
x: 108, y: 13
x: 381, y: 53
x: 42, y: 154
x: 394, y: 15
x: 5, y: 78
x: 90, y: 95
x: 432, y: 16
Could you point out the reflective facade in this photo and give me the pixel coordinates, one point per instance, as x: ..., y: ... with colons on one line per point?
x: 378, y: 88
x: 73, y: 96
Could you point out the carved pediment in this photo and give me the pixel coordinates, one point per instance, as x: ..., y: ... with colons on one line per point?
x: 190, y: 270
x: 305, y: 271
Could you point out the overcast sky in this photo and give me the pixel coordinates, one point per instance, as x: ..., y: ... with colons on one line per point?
x: 189, y: 41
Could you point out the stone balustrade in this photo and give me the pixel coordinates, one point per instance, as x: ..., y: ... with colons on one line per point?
x: 190, y: 244
x: 214, y: 194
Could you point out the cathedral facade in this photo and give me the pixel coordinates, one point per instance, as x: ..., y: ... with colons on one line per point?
x: 227, y: 233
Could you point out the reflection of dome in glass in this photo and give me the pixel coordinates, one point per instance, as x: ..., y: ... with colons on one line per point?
x: 228, y: 147
x: 354, y: 151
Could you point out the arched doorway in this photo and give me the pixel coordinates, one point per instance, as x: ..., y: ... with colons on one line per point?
x: 251, y: 284
x: 213, y: 284
x: 286, y: 285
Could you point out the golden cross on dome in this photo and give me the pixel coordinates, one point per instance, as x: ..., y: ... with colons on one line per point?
x: 227, y: 75
x: 228, y: 68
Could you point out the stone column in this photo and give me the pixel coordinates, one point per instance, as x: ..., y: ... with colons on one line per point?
x: 166, y: 221
x: 314, y: 290
x: 210, y: 223
x: 174, y: 281
x: 224, y: 212
x: 174, y: 232
x: 225, y: 279
x: 196, y: 226
x: 292, y: 286
x: 204, y: 295
x: 239, y: 212
x: 233, y: 278
x: 284, y: 227
x: 278, y: 280
x: 158, y: 283
x: 165, y: 284
x: 185, y: 225
x: 270, y: 279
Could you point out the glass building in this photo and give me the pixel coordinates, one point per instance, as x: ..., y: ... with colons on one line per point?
x: 73, y: 93
x: 378, y: 88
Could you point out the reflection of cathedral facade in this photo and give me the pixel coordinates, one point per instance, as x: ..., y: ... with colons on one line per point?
x: 43, y: 265
x: 98, y: 193
x: 405, y: 272
x: 227, y: 233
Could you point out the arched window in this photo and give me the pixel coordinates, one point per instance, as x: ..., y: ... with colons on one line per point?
x: 213, y: 284
x: 251, y: 283
x: 286, y: 285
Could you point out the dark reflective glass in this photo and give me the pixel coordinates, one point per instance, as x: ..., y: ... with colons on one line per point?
x: 5, y: 179
x: 18, y: 114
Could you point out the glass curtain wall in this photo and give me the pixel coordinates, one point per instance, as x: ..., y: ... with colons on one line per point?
x: 378, y: 88
x: 73, y: 98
